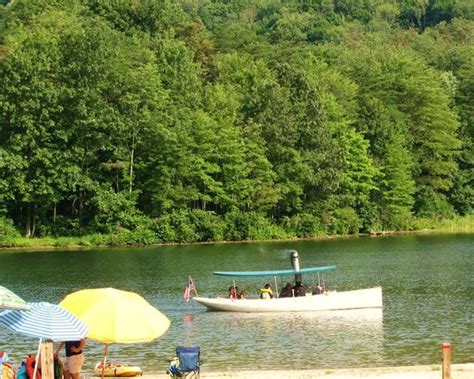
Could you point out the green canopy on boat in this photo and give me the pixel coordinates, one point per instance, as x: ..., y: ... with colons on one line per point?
x: 275, y: 272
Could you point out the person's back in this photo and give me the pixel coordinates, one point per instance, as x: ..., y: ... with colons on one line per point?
x: 299, y: 289
x: 265, y: 296
x: 266, y: 292
x: 318, y: 290
x: 287, y: 291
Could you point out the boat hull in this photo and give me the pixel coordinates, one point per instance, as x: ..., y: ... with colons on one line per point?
x: 331, y: 300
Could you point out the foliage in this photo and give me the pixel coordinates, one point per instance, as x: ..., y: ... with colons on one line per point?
x: 345, y: 221
x: 8, y: 233
x: 304, y: 225
x: 250, y: 226
x: 116, y: 211
x: 141, y: 122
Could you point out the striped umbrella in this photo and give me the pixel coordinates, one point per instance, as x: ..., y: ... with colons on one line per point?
x: 8, y: 300
x: 46, y: 321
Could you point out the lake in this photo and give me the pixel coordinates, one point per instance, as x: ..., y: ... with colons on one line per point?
x: 427, y: 282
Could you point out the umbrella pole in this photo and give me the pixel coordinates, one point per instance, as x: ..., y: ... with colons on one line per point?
x: 106, y: 350
x: 37, y: 359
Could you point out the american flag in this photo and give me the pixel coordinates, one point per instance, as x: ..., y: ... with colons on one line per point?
x: 187, y: 291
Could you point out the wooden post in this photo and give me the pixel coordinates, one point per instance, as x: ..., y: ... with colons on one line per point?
x: 47, y: 360
x: 446, y: 347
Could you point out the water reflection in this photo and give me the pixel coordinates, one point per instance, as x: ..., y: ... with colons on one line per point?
x: 231, y: 339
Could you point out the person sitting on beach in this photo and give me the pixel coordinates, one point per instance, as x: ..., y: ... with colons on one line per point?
x: 299, y: 289
x: 286, y: 291
x: 318, y: 290
x: 266, y: 292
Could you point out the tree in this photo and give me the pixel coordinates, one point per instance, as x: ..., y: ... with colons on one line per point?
x: 38, y: 165
x: 420, y: 105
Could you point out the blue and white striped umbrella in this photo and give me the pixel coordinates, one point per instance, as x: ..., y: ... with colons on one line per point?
x: 46, y: 321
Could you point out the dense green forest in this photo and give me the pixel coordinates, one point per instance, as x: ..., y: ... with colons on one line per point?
x: 205, y: 120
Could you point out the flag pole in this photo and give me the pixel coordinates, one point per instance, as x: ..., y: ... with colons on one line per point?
x: 194, y: 286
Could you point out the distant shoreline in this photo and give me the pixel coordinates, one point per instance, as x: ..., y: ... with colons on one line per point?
x: 54, y: 244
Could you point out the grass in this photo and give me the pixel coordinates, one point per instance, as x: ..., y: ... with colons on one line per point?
x: 458, y: 224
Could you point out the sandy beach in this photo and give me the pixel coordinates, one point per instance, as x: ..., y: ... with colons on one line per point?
x: 458, y: 371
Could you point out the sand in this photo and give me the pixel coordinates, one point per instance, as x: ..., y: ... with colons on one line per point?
x: 458, y: 371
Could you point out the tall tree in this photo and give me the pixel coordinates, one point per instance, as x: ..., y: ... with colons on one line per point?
x: 38, y: 165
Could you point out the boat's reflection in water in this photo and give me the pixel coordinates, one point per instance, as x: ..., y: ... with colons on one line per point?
x: 292, y: 340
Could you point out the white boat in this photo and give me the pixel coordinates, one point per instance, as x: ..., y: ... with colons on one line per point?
x: 327, y: 301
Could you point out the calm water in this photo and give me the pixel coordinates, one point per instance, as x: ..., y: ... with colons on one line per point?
x: 427, y: 282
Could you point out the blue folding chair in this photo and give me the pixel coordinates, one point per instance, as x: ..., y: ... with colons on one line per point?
x: 189, y: 363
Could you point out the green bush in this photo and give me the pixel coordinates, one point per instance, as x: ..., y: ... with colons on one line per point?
x: 8, y: 232
x: 250, y: 226
x: 238, y: 225
x: 185, y: 230
x: 142, y: 236
x: 115, y: 211
x: 61, y: 227
x: 431, y: 204
x: 345, y: 221
x: 98, y: 239
x: 371, y: 218
x: 188, y: 226
x: 305, y: 225
x: 208, y: 226
x: 402, y: 221
x: 7, y: 229
x: 163, y: 229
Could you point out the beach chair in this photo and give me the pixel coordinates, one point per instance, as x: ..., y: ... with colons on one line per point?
x: 188, y: 363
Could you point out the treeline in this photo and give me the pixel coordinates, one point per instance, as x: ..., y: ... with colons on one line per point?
x: 162, y: 121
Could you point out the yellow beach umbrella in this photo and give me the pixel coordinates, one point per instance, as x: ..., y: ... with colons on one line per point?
x: 115, y: 316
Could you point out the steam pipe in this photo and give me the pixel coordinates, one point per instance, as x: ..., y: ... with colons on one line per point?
x: 295, y: 263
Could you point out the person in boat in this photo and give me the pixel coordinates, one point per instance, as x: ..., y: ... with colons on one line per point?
x: 233, y: 294
x: 287, y: 291
x: 266, y: 292
x: 318, y: 289
x: 299, y: 289
x: 240, y: 294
